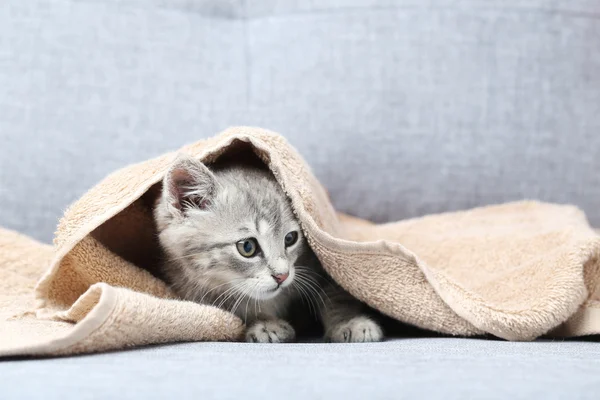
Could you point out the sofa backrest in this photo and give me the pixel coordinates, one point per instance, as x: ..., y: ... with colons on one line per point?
x: 401, y: 108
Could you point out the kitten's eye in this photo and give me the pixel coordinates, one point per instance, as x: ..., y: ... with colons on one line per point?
x: 248, y: 248
x: 291, y: 238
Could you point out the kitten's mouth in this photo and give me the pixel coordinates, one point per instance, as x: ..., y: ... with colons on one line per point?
x: 268, y: 294
x: 272, y: 291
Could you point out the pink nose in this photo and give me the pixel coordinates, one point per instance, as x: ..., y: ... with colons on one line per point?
x: 280, y: 278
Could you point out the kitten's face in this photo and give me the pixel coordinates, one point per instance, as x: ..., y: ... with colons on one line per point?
x: 228, y: 230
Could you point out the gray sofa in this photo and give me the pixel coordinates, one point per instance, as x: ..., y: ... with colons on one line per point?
x: 454, y: 104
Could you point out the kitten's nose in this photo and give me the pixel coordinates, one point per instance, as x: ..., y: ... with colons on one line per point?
x: 280, y: 278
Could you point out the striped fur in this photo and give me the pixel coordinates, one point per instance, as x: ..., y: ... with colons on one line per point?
x: 201, y: 216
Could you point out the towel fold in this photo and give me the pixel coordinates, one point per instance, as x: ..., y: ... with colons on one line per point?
x: 517, y: 271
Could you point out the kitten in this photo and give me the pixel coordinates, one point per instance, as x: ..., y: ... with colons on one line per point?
x: 230, y: 239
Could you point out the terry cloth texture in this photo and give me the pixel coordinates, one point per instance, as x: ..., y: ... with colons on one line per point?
x: 516, y: 271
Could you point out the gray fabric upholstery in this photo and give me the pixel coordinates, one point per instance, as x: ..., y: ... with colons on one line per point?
x: 402, y: 107
x: 400, y: 369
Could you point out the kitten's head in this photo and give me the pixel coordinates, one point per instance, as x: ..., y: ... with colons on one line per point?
x: 231, y: 228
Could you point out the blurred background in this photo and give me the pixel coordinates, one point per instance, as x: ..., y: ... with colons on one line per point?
x: 402, y: 108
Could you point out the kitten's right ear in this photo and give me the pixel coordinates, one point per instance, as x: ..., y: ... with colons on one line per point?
x: 188, y: 183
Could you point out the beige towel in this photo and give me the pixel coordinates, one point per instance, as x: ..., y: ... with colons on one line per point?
x: 517, y: 271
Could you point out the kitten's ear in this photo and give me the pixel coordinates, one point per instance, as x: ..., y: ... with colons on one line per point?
x: 188, y: 183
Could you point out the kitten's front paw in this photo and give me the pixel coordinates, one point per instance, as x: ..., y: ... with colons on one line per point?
x: 273, y: 331
x: 357, y: 329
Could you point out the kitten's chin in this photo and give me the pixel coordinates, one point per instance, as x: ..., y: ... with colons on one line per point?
x: 267, y: 295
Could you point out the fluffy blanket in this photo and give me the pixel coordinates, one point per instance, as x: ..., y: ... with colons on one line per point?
x: 516, y: 271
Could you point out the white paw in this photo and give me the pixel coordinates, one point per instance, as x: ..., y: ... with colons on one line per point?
x: 274, y: 331
x: 358, y: 329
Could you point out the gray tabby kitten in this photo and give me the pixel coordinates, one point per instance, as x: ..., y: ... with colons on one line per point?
x: 230, y: 239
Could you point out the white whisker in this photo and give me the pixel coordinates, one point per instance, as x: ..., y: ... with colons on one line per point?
x: 314, y: 287
x: 312, y: 309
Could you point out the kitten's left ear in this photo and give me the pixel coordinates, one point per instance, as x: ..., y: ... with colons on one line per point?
x: 188, y: 182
